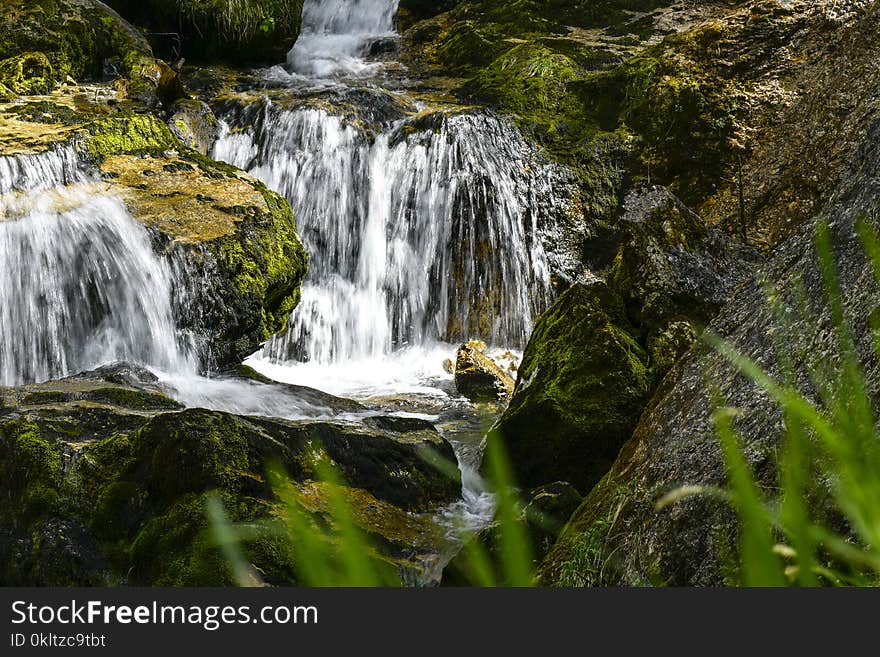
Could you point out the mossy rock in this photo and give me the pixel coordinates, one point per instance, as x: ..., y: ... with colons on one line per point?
x: 228, y: 226
x: 233, y: 31
x: 85, y: 39
x: 102, y: 484
x: 582, y: 383
x: 28, y: 74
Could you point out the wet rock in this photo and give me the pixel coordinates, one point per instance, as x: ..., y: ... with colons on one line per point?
x: 618, y: 536
x: 545, y: 510
x: 478, y: 377
x: 194, y: 124
x: 223, y: 228
x: 581, y: 387
x: 118, y: 475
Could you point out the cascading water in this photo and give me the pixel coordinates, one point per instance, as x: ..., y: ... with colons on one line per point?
x: 336, y: 35
x: 80, y: 284
x: 424, y: 227
x: 416, y: 236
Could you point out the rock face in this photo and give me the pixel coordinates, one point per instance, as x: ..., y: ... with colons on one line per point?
x: 581, y: 385
x: 671, y: 264
x: 84, y: 39
x: 596, y: 356
x: 478, y: 377
x: 618, y: 536
x: 245, y: 32
x: 110, y: 468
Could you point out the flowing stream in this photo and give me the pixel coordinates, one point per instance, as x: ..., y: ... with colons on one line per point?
x: 426, y: 226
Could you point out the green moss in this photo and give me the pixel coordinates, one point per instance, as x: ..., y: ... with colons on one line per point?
x: 28, y: 74
x: 44, y: 397
x: 79, y: 38
x: 129, y: 134
x: 129, y: 398
x: 582, y: 383
x: 30, y: 468
x: 175, y: 549
x: 268, y: 264
x: 529, y: 80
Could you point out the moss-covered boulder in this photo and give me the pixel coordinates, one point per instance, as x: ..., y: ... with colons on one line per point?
x: 234, y: 31
x: 84, y: 39
x: 620, y: 536
x: 27, y: 74
x: 582, y: 384
x: 230, y: 227
x: 227, y: 229
x: 106, y: 479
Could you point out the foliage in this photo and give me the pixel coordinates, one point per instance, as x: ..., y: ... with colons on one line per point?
x: 823, y: 524
x: 335, y: 552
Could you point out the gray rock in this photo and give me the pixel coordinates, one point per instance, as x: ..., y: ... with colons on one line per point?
x: 617, y: 536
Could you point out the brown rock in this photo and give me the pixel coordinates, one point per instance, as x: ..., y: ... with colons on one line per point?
x: 478, y: 377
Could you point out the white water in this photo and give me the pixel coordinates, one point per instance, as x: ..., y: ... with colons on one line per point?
x: 80, y: 285
x: 336, y: 35
x: 416, y: 237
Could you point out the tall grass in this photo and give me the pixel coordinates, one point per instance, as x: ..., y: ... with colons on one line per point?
x: 330, y: 550
x: 823, y: 525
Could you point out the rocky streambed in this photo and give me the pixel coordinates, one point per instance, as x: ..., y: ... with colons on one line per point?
x: 238, y: 240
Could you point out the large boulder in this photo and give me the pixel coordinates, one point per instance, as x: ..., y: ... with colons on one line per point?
x: 225, y: 228
x: 238, y: 32
x: 671, y: 264
x: 618, y: 536
x: 583, y: 381
x: 84, y: 39
x: 105, y: 481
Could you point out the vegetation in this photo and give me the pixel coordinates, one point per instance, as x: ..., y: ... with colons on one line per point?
x: 822, y: 526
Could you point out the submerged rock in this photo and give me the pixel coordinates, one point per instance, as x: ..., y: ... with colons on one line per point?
x: 109, y: 458
x: 478, y: 377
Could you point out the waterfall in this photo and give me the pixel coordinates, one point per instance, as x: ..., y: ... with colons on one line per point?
x: 423, y: 233
x: 336, y: 34
x: 80, y: 284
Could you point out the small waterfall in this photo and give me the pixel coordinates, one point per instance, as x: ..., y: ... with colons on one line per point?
x: 336, y: 34
x: 423, y: 233
x: 80, y: 284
